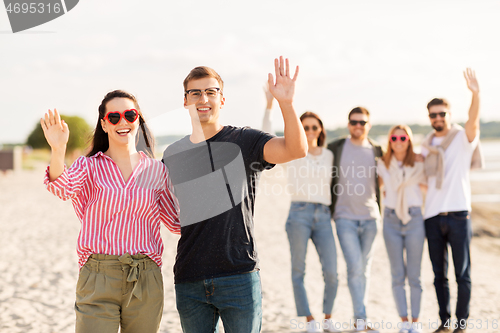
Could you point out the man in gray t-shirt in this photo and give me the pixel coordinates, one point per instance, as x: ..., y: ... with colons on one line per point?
x: 356, y: 205
x: 356, y: 197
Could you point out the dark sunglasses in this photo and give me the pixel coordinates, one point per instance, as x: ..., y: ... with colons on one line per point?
x: 355, y: 122
x: 314, y: 128
x: 115, y: 117
x: 402, y: 138
x: 435, y: 114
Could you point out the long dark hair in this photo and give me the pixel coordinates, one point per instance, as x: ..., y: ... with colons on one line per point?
x: 100, y: 141
x: 322, y: 135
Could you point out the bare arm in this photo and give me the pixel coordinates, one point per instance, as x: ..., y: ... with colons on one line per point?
x: 380, y: 182
x: 294, y: 144
x: 267, y: 124
x: 472, y: 124
x: 57, y: 134
x: 269, y: 98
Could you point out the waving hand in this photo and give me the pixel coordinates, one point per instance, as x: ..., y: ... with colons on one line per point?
x: 284, y: 87
x: 56, y: 131
x: 470, y: 77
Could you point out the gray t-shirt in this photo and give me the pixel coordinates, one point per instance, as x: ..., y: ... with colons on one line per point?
x: 356, y: 195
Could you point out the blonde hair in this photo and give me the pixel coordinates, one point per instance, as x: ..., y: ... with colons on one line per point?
x: 410, y: 154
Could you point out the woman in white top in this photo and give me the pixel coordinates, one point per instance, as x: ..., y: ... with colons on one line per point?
x: 402, y: 177
x: 309, y: 217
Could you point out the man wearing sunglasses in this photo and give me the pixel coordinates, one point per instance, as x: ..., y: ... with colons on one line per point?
x: 450, y: 152
x: 214, y: 173
x: 356, y: 205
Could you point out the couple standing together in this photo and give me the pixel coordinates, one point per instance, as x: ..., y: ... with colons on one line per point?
x: 344, y: 182
x: 121, y: 197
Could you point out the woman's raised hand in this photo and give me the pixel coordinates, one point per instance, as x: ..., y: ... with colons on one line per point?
x: 56, y: 131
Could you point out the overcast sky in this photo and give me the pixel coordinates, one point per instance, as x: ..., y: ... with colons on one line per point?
x: 390, y: 56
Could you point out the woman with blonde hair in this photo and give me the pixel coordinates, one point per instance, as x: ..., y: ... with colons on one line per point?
x: 401, y: 172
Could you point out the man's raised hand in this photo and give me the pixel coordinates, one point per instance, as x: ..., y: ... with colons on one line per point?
x: 470, y: 77
x: 56, y: 131
x: 284, y: 87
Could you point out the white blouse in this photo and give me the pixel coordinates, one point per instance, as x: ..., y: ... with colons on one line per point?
x: 309, y: 178
x: 413, y: 194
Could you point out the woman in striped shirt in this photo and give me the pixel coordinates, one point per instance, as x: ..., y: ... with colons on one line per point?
x: 120, y: 196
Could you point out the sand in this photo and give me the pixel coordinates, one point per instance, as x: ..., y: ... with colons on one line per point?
x: 38, y: 267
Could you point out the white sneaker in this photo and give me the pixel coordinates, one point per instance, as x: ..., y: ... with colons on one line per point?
x: 416, y: 327
x: 406, y: 327
x: 313, y: 326
x: 359, y: 325
x: 364, y: 326
x: 329, y: 326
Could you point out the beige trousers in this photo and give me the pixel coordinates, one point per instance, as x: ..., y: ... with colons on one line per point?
x: 114, y: 291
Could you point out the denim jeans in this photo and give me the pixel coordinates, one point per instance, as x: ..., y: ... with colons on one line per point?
x: 454, y: 229
x: 356, y: 238
x: 312, y: 221
x: 399, y: 238
x: 237, y: 299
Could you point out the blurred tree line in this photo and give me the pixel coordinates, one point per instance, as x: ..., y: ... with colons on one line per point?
x: 79, y: 135
x: 489, y: 130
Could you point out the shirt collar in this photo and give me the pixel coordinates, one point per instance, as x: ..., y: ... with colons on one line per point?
x: 100, y: 153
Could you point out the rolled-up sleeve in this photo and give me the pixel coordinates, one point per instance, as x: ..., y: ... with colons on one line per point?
x: 69, y: 184
x: 169, y: 208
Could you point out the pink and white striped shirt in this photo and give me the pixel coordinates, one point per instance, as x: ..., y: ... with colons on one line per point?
x: 118, y: 217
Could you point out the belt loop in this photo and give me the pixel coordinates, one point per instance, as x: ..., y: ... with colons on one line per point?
x: 97, y: 266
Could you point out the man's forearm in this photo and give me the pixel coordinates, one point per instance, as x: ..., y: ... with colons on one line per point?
x: 472, y: 125
x: 474, y: 108
x: 295, y: 137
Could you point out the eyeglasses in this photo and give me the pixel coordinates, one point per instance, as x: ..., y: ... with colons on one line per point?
x: 195, y: 94
x: 355, y: 122
x: 115, y: 117
x: 401, y: 138
x: 435, y: 114
x: 313, y: 127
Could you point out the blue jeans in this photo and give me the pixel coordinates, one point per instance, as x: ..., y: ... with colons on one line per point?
x: 356, y: 238
x: 455, y: 229
x: 312, y: 220
x: 398, y: 238
x: 237, y: 299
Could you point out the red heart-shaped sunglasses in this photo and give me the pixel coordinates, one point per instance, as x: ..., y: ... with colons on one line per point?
x: 115, y: 117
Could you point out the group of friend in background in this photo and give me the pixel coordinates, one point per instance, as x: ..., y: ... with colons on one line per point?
x: 204, y: 190
x: 352, y: 178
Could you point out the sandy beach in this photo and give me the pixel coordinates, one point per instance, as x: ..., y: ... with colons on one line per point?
x: 38, y: 266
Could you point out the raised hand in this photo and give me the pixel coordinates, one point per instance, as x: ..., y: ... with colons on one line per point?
x: 284, y: 87
x: 470, y: 77
x: 56, y: 131
x: 472, y: 125
x: 269, y: 97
